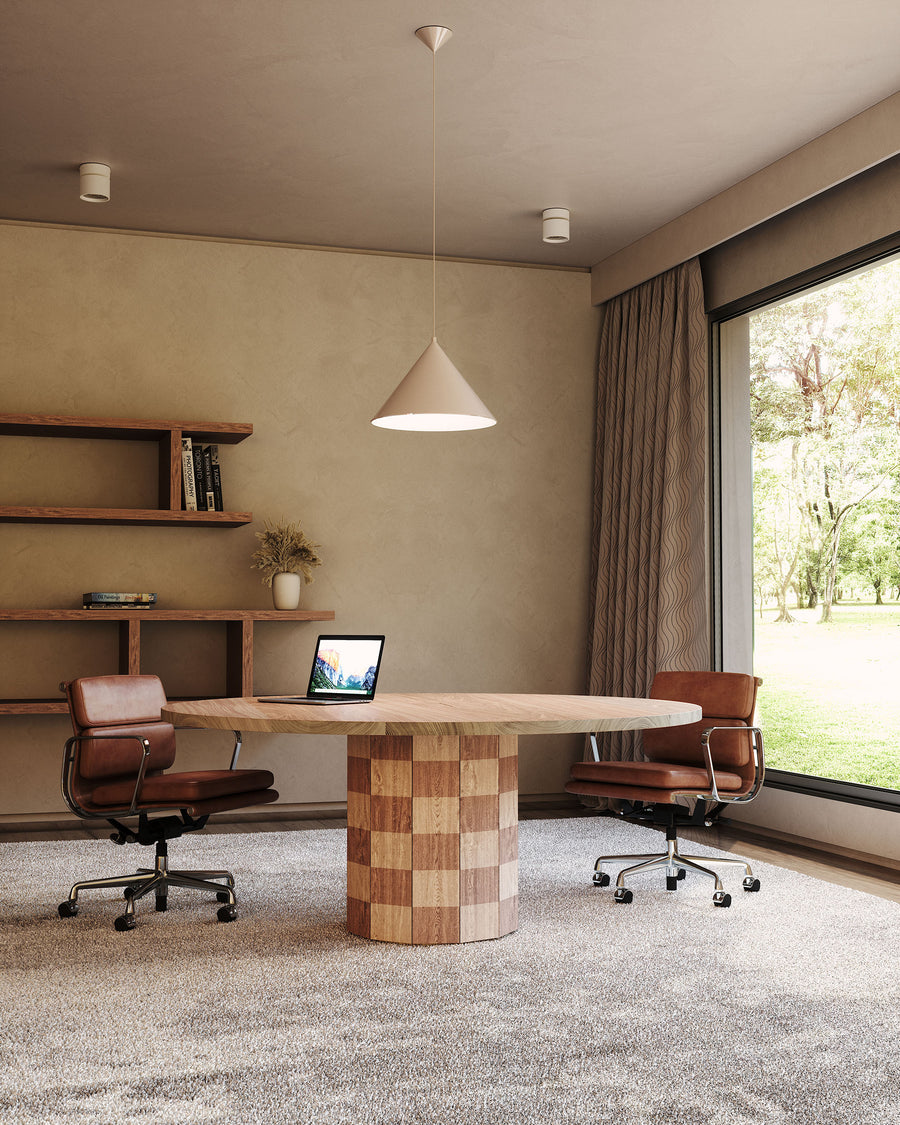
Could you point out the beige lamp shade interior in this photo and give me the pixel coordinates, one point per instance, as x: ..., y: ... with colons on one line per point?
x: 434, y: 396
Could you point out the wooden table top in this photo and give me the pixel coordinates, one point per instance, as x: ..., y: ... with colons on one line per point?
x: 432, y: 714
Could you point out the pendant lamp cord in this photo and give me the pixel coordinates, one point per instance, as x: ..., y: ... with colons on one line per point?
x: 433, y: 195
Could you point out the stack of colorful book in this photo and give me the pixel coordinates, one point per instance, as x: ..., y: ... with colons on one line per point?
x: 109, y: 600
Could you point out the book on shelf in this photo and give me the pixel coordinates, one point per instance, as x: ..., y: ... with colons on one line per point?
x: 199, y: 485
x: 116, y: 596
x: 201, y: 477
x: 217, y: 477
x: 119, y: 605
x: 105, y: 599
x: 188, y: 484
x: 208, y: 492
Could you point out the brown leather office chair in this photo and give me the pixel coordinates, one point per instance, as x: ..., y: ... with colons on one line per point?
x: 719, y: 759
x: 115, y: 767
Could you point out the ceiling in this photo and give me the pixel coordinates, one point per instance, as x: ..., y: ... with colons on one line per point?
x: 308, y: 122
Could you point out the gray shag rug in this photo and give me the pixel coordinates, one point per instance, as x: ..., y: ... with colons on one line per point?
x: 782, y: 1009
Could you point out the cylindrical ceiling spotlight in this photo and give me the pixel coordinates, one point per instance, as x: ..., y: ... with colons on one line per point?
x: 556, y: 224
x: 94, y: 183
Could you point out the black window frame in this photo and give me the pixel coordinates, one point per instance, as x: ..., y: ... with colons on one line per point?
x: 866, y: 257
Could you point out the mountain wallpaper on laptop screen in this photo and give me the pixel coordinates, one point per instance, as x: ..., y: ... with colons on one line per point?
x: 343, y: 671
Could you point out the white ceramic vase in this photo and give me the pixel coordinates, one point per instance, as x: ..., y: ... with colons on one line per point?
x: 286, y: 590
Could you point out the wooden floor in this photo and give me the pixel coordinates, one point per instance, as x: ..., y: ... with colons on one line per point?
x: 846, y: 872
x: 854, y: 873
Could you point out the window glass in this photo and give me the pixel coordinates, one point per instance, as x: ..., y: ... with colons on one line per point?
x: 825, y: 425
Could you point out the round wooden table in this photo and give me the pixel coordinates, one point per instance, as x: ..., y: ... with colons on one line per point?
x: 432, y: 796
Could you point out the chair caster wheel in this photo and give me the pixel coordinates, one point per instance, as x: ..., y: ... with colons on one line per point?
x: 671, y: 882
x: 68, y: 909
x: 128, y: 892
x: 720, y: 898
x: 751, y: 884
x: 162, y: 902
x: 623, y: 895
x: 125, y: 922
x: 222, y: 896
x: 681, y: 873
x: 601, y: 879
x: 227, y: 913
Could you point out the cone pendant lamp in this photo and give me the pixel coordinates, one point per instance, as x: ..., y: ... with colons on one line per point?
x: 434, y: 395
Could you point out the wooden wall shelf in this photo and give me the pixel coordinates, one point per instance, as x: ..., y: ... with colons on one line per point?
x: 123, y: 516
x: 167, y: 434
x: 239, y: 625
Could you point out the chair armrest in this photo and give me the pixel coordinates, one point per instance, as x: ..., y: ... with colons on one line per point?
x: 759, y: 767
x: 69, y: 759
x: 238, y: 743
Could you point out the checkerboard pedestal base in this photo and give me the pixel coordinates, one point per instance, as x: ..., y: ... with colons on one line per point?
x: 432, y: 837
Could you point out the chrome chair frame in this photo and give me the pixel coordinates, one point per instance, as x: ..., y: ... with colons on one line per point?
x: 146, y: 879
x: 675, y: 862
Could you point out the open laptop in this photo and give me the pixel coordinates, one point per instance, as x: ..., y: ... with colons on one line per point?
x: 344, y: 670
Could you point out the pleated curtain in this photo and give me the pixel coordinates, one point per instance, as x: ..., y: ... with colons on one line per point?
x: 649, y: 547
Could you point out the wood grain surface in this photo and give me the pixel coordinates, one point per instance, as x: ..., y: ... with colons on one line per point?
x: 155, y: 614
x: 432, y: 837
x: 130, y: 429
x: 438, y: 714
x: 432, y: 796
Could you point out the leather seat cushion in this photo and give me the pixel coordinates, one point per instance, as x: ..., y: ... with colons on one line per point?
x: 629, y: 792
x: 653, y: 775
x: 182, y: 789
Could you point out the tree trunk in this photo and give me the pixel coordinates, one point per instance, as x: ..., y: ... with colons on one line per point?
x: 781, y: 594
x: 832, y: 564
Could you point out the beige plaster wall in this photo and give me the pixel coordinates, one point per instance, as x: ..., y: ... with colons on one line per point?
x: 470, y: 551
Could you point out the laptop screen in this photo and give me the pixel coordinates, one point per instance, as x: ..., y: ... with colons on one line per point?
x: 346, y: 667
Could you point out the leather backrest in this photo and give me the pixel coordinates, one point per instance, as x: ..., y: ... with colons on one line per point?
x: 107, y: 757
x: 97, y: 701
x: 118, y: 705
x: 728, y: 699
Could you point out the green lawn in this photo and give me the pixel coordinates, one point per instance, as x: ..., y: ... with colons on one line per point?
x: 829, y: 701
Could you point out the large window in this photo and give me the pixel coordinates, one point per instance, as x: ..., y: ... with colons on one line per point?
x: 824, y: 417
